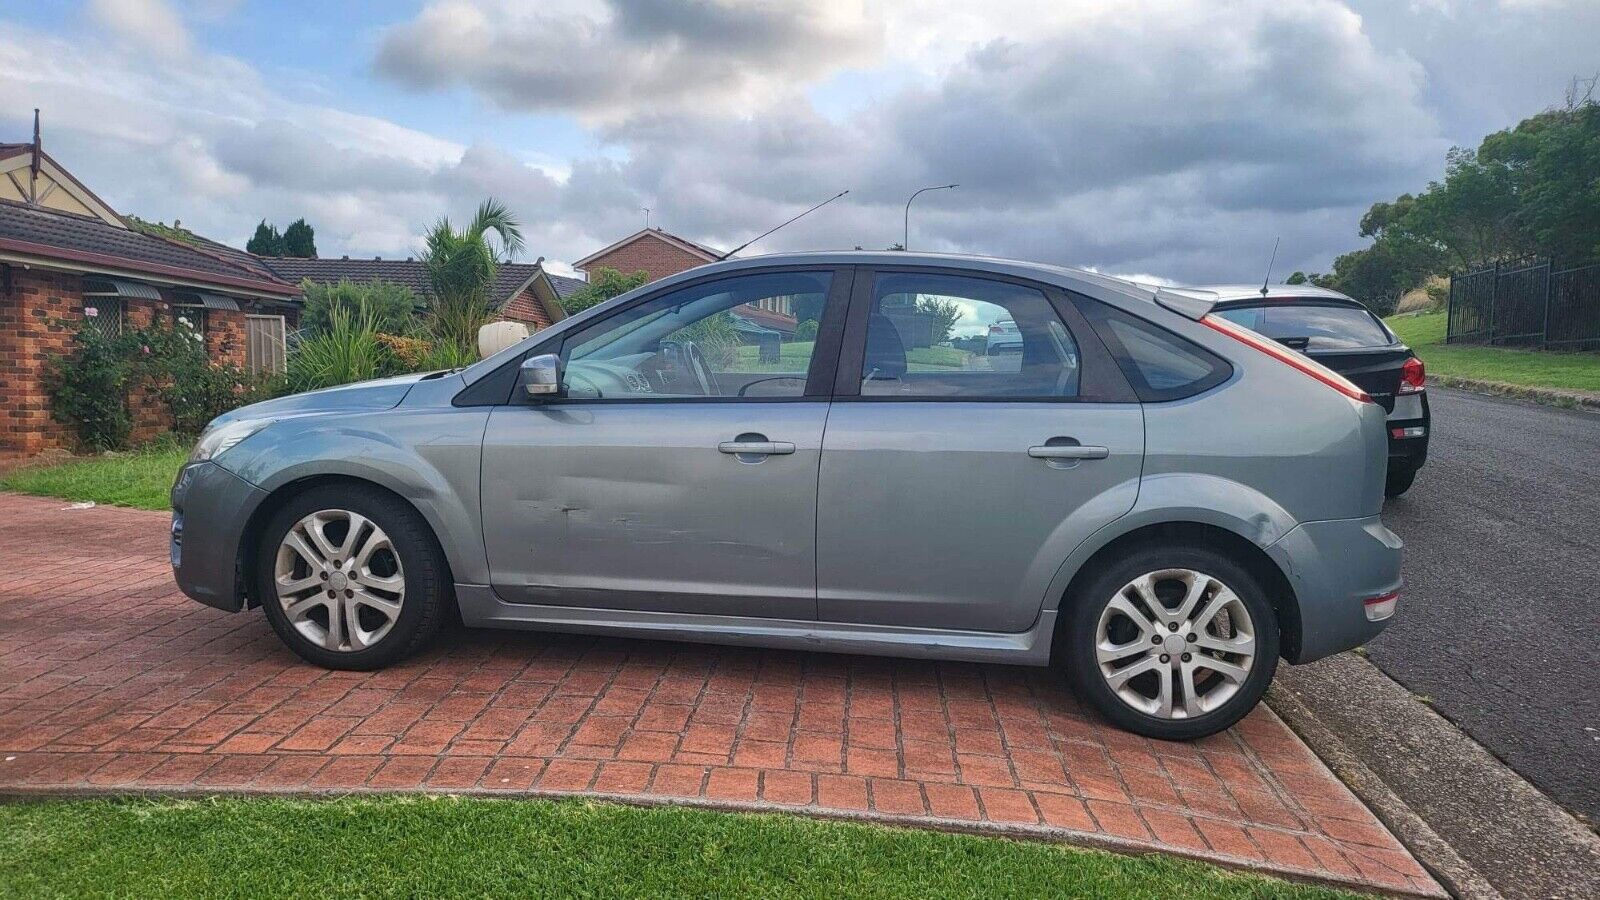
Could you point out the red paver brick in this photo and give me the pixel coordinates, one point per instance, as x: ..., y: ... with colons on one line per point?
x: 622, y: 777
x: 788, y: 788
x: 743, y: 785
x: 841, y: 792
x: 952, y: 801
x: 896, y: 797
x: 169, y: 694
x: 1006, y: 805
x: 1119, y: 819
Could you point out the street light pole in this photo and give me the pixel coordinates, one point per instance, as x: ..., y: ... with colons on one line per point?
x: 905, y: 241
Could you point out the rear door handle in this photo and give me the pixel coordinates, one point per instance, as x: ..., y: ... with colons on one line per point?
x: 756, y: 448
x: 1068, y: 451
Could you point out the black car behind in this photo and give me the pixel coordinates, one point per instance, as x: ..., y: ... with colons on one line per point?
x: 1347, y: 338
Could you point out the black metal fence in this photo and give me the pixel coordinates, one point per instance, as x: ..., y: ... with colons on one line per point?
x: 1526, y: 302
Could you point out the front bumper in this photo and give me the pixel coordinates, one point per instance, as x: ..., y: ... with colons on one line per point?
x: 1335, y: 566
x: 210, y: 509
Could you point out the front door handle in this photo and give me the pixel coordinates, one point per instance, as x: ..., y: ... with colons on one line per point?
x: 756, y: 448
x: 1068, y: 451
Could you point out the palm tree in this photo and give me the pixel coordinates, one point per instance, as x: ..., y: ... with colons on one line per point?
x: 461, y: 267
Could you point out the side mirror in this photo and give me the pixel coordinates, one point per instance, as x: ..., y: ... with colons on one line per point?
x: 540, y: 376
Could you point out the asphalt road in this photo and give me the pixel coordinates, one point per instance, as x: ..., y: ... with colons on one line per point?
x: 1500, y: 623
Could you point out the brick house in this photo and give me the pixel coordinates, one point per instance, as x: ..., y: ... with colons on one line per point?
x: 522, y: 292
x: 66, y: 258
x: 651, y: 250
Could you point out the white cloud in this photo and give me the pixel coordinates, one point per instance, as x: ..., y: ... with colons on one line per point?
x: 151, y: 24
x: 610, y: 59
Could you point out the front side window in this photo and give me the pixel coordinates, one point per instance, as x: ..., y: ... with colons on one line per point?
x: 955, y: 336
x: 747, y: 336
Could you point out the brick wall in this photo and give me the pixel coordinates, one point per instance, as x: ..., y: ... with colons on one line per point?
x: 28, y: 338
x: 527, y: 309
x: 650, y: 253
x: 30, y: 335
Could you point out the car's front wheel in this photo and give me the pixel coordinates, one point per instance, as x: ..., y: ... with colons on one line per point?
x: 1172, y: 642
x: 351, y: 578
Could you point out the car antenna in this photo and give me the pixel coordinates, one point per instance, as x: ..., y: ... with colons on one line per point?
x: 1269, y: 265
x: 775, y: 228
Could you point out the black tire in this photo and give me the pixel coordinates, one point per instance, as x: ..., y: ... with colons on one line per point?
x: 1401, y: 475
x: 427, y: 602
x: 1088, y: 599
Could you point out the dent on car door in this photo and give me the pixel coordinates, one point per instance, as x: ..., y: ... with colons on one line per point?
x: 959, y: 473
x: 677, y: 470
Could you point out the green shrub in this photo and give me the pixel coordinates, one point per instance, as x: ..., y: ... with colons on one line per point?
x: 193, y: 388
x: 394, y: 307
x: 350, y: 349
x: 89, y: 387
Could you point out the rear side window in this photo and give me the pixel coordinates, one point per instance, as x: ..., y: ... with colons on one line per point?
x: 1311, y: 326
x: 1159, y: 364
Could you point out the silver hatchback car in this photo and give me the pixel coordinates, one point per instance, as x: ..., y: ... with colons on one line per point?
x: 1156, y: 499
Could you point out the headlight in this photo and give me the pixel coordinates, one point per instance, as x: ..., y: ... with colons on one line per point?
x: 216, y: 441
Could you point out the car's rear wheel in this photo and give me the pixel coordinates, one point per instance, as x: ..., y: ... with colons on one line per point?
x: 1401, y: 475
x: 1172, y: 642
x: 351, y: 578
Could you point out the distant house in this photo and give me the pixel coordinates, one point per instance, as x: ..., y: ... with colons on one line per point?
x: 659, y: 254
x: 650, y: 250
x: 522, y: 292
x: 67, y: 257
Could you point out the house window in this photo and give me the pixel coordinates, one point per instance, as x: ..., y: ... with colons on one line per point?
x: 192, y: 318
x: 104, y: 314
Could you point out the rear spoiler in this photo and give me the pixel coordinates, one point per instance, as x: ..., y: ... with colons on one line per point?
x: 1191, y: 303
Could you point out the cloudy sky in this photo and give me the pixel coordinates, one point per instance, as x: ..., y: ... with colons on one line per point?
x: 1153, y: 137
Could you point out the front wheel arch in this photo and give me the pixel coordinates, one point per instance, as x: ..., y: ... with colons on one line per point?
x: 250, y: 541
x: 1279, y: 591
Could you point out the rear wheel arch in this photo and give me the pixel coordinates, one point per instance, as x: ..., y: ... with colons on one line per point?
x: 250, y: 541
x: 1252, y: 557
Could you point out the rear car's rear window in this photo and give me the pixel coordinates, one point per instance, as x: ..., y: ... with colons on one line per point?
x: 1311, y: 326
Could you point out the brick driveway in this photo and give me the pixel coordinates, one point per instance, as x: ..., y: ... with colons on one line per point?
x: 111, y: 680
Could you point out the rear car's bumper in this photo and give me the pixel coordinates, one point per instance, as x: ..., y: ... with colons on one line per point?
x: 1334, y: 567
x: 210, y: 507
x: 1412, y: 421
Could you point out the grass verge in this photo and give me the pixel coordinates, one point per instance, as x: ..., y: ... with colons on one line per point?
x: 1526, y: 368
x: 139, y: 478
x: 453, y: 846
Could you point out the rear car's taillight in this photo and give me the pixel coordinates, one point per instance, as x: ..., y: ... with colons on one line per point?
x: 1412, y: 376
x: 1283, y: 354
x: 1382, y: 606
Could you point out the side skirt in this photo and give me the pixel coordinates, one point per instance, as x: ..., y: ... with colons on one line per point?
x: 481, y: 608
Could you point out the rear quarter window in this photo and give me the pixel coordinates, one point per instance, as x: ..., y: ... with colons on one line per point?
x: 1159, y: 364
x: 1312, y: 326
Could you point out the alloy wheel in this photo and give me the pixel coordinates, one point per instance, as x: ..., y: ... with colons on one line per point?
x: 339, y: 580
x: 1175, y: 643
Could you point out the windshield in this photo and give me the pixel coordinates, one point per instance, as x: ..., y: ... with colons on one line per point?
x: 1313, y: 326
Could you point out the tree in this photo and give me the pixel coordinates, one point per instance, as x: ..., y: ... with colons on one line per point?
x: 944, y: 314
x: 300, y: 240
x: 1297, y: 278
x: 461, y: 266
x: 266, y: 241
x: 604, y: 283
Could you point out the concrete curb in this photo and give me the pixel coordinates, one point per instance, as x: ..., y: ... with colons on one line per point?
x: 1545, y: 396
x: 1464, y: 814
x: 1436, y: 855
x: 1040, y: 833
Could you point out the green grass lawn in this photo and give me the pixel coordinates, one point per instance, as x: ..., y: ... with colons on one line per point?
x: 443, y: 846
x: 140, y: 478
x: 1528, y: 368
